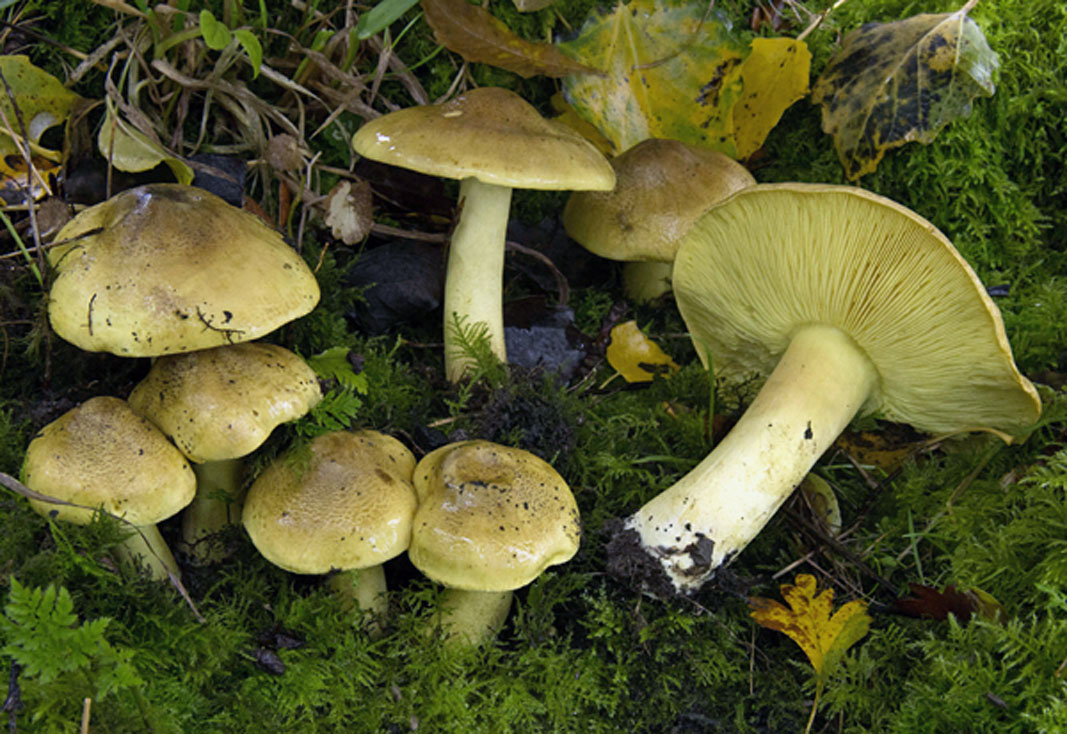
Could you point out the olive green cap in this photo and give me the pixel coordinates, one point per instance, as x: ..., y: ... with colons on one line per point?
x: 490, y: 517
x: 102, y: 454
x: 166, y: 268
x: 222, y: 403
x: 342, y: 502
x: 661, y: 187
x: 490, y: 134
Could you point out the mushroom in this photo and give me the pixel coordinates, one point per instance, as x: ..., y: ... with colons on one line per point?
x: 852, y: 304
x: 103, y: 455
x: 491, y: 518
x: 166, y: 268
x: 493, y: 141
x: 662, y: 186
x: 219, y: 405
x: 344, y: 502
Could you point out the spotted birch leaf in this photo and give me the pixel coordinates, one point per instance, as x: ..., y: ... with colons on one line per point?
x: 128, y: 149
x: 673, y: 70
x: 894, y: 83
x: 807, y: 620
x: 477, y: 36
x: 636, y: 357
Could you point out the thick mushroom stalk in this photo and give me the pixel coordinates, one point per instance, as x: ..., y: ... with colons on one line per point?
x: 849, y: 302
x: 710, y: 514
x: 474, y: 291
x: 216, y: 507
x: 473, y: 617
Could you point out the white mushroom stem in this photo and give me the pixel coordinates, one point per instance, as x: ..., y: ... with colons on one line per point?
x: 473, y: 617
x: 146, y: 547
x: 646, y: 280
x: 216, y: 506
x: 474, y: 282
x: 710, y: 514
x: 364, y: 588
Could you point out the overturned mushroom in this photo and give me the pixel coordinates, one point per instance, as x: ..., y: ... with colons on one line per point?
x: 851, y: 304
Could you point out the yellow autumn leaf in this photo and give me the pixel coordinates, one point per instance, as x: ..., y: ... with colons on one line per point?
x: 807, y: 620
x: 636, y: 357
x: 128, y: 149
x: 773, y: 76
x: 43, y: 102
x: 673, y: 70
x: 893, y: 83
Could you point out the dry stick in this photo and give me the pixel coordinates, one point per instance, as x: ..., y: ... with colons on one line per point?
x: 818, y: 21
x: 21, y: 489
x: 561, y: 280
x: 87, y: 705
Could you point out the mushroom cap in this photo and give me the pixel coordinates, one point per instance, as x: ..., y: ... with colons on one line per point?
x: 102, y: 454
x: 347, y: 503
x: 775, y: 257
x: 167, y: 268
x: 490, y: 134
x: 661, y: 187
x: 222, y: 403
x: 490, y: 517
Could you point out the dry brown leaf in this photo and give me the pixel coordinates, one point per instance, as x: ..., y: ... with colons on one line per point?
x: 477, y: 36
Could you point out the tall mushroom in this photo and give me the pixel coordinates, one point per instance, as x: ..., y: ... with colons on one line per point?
x: 662, y: 186
x: 851, y: 304
x: 343, y: 503
x: 493, y: 141
x: 491, y: 518
x: 103, y: 455
x: 219, y: 405
x: 165, y: 268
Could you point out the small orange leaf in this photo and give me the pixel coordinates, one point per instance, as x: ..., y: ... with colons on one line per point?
x: 636, y: 357
x: 808, y: 622
x: 477, y: 36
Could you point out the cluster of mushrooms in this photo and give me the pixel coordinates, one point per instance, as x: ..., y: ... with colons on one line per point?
x: 845, y: 302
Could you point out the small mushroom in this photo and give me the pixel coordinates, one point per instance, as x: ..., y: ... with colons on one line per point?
x: 219, y: 405
x: 662, y: 186
x: 103, y: 455
x: 493, y: 141
x: 342, y: 503
x: 851, y: 304
x: 491, y: 518
x: 165, y: 268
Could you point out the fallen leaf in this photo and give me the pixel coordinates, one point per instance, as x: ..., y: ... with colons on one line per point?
x: 130, y: 150
x: 773, y: 76
x: 894, y: 83
x: 568, y: 116
x: 808, y: 622
x: 43, y: 102
x: 820, y: 497
x: 885, y: 449
x: 348, y: 211
x: 673, y: 71
x: 477, y: 36
x: 636, y: 357
x: 927, y: 601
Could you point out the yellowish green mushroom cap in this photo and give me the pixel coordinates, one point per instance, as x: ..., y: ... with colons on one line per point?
x: 777, y: 257
x: 166, y: 268
x: 222, y: 403
x: 490, y: 517
x: 103, y: 455
x: 661, y: 187
x: 344, y: 501
x: 490, y: 134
